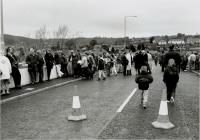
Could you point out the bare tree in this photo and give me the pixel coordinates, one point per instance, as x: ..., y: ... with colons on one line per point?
x: 41, y: 34
x: 61, y: 33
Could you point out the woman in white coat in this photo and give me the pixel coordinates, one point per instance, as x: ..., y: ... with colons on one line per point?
x: 5, y: 71
x: 128, y: 69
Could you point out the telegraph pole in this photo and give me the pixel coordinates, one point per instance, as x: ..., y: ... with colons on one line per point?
x: 125, y: 28
x: 2, y: 31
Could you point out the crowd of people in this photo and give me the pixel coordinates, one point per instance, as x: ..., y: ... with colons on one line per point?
x: 85, y: 63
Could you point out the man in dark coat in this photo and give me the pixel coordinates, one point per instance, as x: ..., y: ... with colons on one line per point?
x: 64, y: 65
x: 15, y: 71
x: 40, y: 65
x: 49, y: 59
x: 124, y: 63
x: 161, y: 60
x: 141, y: 59
x: 170, y: 78
x: 173, y: 55
x: 32, y: 62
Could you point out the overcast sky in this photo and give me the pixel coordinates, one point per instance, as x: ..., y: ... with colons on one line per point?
x: 103, y: 18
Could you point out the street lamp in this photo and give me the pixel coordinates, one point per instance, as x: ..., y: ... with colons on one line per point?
x: 125, y: 28
x: 2, y: 34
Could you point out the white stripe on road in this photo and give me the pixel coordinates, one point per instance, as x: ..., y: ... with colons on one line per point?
x: 126, y: 101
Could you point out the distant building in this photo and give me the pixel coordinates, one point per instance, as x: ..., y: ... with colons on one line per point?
x: 176, y: 41
x: 192, y: 40
x: 160, y: 42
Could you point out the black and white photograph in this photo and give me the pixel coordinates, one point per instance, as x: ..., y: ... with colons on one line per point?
x: 99, y: 69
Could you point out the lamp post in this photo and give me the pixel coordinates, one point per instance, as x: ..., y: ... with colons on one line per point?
x: 2, y: 34
x: 125, y: 28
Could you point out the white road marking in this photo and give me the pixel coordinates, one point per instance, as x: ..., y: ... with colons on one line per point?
x: 126, y: 101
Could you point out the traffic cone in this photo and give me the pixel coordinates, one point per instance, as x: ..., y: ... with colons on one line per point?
x: 163, y: 118
x: 76, y: 114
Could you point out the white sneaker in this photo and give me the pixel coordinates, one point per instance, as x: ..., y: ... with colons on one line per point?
x: 172, y: 100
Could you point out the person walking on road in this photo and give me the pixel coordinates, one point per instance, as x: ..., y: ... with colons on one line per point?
x: 173, y: 55
x: 170, y: 78
x: 124, y: 63
x: 113, y: 64
x: 184, y: 62
x: 84, y: 66
x: 150, y: 60
x: 128, y: 67
x: 161, y: 60
x: 144, y: 79
x: 192, y: 59
x: 101, y: 66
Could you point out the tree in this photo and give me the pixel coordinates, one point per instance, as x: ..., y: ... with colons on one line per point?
x: 151, y: 39
x: 41, y: 34
x: 180, y: 36
x: 93, y: 42
x: 166, y: 38
x: 61, y: 33
x: 70, y: 44
x: 105, y: 47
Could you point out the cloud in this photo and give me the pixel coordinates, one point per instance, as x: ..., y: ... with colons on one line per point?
x: 103, y: 17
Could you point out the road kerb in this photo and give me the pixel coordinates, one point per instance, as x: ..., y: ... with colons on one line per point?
x: 196, y: 72
x: 37, y: 91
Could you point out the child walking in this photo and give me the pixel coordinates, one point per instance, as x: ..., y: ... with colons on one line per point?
x: 170, y: 78
x: 101, y: 68
x: 143, y: 80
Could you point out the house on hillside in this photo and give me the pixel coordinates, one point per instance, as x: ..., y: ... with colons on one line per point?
x: 176, y: 41
x: 192, y: 40
x: 159, y: 42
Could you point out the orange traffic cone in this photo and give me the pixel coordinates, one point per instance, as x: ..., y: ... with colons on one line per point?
x: 163, y: 118
x: 76, y: 114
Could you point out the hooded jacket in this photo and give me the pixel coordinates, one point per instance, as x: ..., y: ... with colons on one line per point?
x: 143, y: 80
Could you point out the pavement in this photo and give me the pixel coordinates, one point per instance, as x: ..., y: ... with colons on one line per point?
x: 197, y: 72
x: 30, y: 89
x: 44, y: 115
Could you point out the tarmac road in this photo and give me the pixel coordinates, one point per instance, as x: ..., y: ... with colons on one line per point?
x: 44, y: 115
x: 135, y: 123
